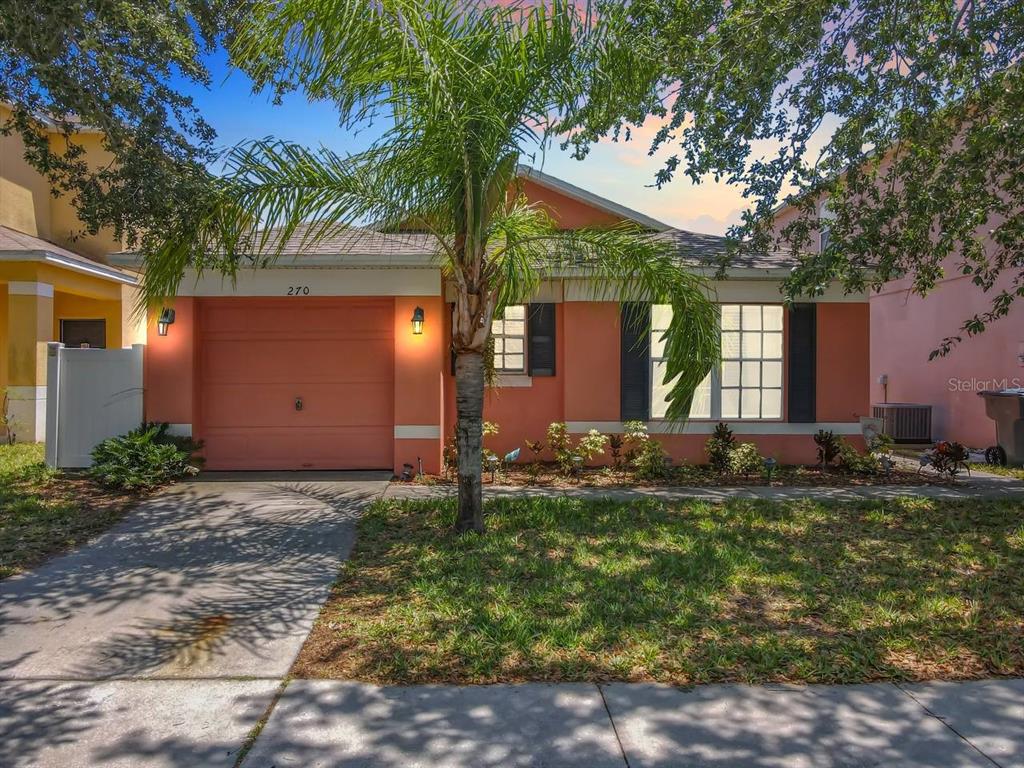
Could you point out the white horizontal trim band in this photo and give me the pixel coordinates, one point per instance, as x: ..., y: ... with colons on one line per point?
x: 740, y: 428
x: 417, y: 432
x: 179, y: 430
x: 15, y: 288
x: 513, y: 380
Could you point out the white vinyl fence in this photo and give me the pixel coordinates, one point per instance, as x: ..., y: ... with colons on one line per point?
x: 92, y: 394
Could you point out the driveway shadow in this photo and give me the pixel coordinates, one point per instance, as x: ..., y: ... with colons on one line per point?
x: 205, y: 580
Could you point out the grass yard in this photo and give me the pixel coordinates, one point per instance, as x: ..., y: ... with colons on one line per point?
x: 688, y: 592
x: 1015, y: 472
x: 43, y: 512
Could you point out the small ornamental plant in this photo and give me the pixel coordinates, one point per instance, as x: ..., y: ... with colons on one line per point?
x: 558, y: 442
x: 634, y: 438
x: 143, y: 459
x: 745, y: 460
x: 857, y: 463
x: 536, y: 448
x: 451, y: 457
x: 591, y: 444
x: 719, y: 448
x: 829, y: 445
x: 651, y: 462
x: 490, y: 458
x: 615, y: 443
x: 949, y: 458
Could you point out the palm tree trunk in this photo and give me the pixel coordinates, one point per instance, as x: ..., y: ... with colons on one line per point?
x: 469, y: 408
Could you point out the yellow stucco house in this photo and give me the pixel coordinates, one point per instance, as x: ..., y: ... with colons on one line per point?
x: 54, y: 283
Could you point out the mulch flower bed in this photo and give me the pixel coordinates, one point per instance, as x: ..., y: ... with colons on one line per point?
x: 547, y: 475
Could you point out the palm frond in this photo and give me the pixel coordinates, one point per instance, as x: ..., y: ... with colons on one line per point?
x: 627, y: 263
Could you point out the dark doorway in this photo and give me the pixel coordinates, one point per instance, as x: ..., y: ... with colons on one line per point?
x: 84, y: 333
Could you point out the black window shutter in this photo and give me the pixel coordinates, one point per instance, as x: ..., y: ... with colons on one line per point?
x: 802, y: 360
x: 635, y: 361
x: 540, y: 332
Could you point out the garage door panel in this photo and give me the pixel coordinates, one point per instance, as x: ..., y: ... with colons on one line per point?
x: 273, y: 405
x: 318, y: 448
x: 256, y: 356
x: 270, y: 361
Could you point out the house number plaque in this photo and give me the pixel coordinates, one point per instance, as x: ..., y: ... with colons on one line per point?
x: 298, y: 290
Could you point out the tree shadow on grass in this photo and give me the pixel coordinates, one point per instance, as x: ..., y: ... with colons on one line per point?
x: 755, y: 592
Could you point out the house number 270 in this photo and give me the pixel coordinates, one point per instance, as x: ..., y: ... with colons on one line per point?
x: 298, y: 290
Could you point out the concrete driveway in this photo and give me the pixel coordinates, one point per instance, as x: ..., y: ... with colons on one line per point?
x: 209, y: 588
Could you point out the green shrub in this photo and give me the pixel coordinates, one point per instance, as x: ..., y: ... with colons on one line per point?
x: 558, y: 442
x: 651, y: 461
x: 852, y: 460
x: 145, y: 458
x: 561, y: 445
x: 745, y: 460
x: 719, y: 448
x: 634, y: 437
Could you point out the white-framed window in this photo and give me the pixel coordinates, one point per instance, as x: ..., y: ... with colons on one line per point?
x: 748, y: 385
x: 509, y: 333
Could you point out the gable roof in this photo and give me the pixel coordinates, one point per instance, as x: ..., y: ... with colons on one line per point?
x: 591, y: 199
x: 18, y: 246
x: 368, y: 247
x: 697, y: 249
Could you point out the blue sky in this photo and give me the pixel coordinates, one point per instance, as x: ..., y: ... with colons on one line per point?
x: 620, y: 171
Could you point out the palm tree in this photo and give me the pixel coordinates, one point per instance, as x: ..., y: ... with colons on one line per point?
x: 466, y: 88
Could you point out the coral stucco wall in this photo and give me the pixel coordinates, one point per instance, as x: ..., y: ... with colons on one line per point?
x: 843, y: 355
x: 568, y: 212
x: 522, y: 412
x: 586, y: 387
x: 169, y: 367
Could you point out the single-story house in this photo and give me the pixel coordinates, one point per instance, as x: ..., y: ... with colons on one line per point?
x: 54, y: 285
x: 314, y: 363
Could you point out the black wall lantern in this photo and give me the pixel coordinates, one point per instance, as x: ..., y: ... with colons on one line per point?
x: 166, y: 319
x: 417, y: 321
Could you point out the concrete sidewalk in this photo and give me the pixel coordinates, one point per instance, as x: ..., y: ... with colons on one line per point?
x: 579, y: 725
x: 980, y: 486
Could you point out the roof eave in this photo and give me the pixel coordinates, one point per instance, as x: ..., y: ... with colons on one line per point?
x: 91, y: 268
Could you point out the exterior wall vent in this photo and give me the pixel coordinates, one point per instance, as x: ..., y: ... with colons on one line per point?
x: 905, y: 422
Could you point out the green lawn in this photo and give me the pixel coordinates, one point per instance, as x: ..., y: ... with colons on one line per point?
x: 1017, y: 472
x: 690, y: 592
x: 43, y: 512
